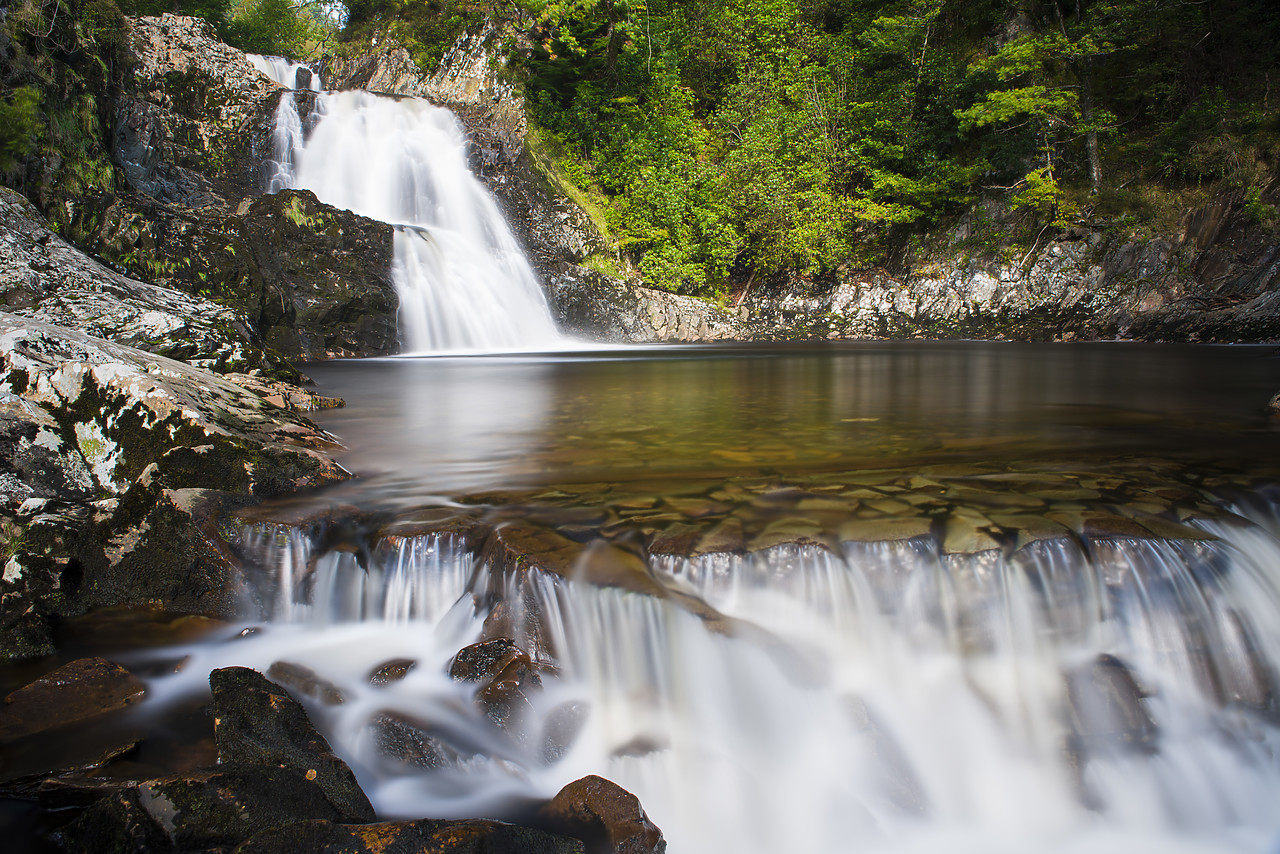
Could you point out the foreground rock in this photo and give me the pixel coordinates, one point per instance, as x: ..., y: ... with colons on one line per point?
x: 603, y: 815
x: 258, y: 723
x: 278, y: 787
x: 114, y: 463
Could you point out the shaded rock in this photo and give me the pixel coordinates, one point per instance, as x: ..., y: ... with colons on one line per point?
x: 1106, y: 710
x: 313, y: 281
x: 76, y: 692
x: 257, y: 723
x: 410, y: 837
x: 392, y: 671
x: 606, y: 817
x: 201, y: 811
x: 305, y: 681
x: 1273, y: 405
x: 116, y: 824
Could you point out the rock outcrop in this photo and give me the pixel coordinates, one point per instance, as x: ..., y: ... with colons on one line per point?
x: 195, y: 125
x: 113, y: 464
x: 193, y: 139
x: 45, y: 278
x: 313, y: 282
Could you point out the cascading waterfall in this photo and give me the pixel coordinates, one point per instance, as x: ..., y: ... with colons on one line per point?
x: 1100, y: 695
x: 463, y: 280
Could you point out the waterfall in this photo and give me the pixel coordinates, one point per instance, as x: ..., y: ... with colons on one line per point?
x: 1074, y: 695
x: 464, y: 283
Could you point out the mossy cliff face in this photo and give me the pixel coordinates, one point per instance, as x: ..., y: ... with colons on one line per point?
x: 312, y: 281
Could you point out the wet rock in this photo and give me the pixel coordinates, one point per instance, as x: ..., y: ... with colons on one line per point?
x: 210, y: 810
x: 305, y: 681
x: 414, y: 742
x: 482, y: 662
x: 1273, y: 405
x: 135, y: 455
x: 116, y: 824
x: 607, y: 818
x: 84, y: 689
x: 257, y: 723
x: 392, y: 671
x: 410, y: 837
x: 1106, y: 710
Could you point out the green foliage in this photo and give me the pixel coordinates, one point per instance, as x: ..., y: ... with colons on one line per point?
x: 215, y: 12
x: 271, y: 27
x: 20, y: 126
x: 426, y: 28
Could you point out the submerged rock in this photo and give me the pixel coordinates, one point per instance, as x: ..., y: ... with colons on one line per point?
x: 392, y: 671
x: 414, y: 742
x: 257, y: 723
x: 1106, y: 709
x: 76, y: 692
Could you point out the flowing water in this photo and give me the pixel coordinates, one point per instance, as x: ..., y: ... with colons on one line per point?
x: 463, y: 281
x: 832, y: 598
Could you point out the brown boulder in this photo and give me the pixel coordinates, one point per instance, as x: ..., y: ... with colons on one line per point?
x: 606, y: 817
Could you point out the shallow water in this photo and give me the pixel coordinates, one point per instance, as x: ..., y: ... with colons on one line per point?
x: 465, y: 424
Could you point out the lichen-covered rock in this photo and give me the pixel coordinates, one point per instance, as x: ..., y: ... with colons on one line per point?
x: 195, y: 124
x: 45, y: 278
x: 410, y: 837
x: 607, y: 309
x: 114, y: 463
x: 313, y: 281
x: 258, y: 723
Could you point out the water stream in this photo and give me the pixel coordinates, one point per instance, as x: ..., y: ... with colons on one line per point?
x: 833, y: 598
x: 463, y: 281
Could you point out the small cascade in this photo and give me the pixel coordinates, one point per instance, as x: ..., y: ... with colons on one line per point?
x: 463, y: 280
x: 287, y: 135
x: 1071, y: 695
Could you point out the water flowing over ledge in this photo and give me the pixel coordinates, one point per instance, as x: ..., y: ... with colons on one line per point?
x: 463, y: 280
x: 1076, y: 693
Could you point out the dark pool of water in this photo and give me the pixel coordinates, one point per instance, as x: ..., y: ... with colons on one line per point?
x: 428, y: 426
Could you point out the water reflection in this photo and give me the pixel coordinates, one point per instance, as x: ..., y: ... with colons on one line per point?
x: 447, y: 425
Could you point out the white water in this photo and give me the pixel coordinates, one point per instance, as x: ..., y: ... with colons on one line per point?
x: 463, y: 281
x: 887, y: 699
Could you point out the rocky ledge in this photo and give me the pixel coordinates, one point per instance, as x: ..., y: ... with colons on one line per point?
x: 114, y: 464
x: 268, y: 782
